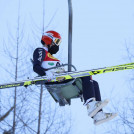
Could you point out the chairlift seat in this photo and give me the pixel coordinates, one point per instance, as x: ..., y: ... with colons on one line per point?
x: 63, y: 92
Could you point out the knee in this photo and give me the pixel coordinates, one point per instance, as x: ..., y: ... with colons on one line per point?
x: 87, y: 78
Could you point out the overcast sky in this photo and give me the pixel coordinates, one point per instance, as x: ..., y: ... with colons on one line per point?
x: 101, y: 28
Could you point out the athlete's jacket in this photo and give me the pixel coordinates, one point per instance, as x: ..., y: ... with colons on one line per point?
x: 42, y: 60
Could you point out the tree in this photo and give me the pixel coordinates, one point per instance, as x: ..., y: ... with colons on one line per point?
x: 124, y: 124
x: 34, y: 109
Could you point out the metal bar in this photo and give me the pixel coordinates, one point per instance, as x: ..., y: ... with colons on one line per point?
x: 70, y: 35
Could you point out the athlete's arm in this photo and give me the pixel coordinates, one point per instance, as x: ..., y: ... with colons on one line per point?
x: 38, y: 57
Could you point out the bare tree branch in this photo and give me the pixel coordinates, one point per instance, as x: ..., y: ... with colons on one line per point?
x: 6, y: 114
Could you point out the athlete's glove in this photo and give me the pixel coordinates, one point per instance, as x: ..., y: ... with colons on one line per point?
x: 60, y: 70
x: 50, y: 75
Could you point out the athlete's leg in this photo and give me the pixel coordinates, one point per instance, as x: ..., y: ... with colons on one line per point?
x: 88, y: 88
x: 97, y: 90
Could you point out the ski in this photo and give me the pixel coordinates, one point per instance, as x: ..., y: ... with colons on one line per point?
x: 67, y: 76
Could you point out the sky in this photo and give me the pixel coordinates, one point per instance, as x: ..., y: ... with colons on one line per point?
x: 101, y: 30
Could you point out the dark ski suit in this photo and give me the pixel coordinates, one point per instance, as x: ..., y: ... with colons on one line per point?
x: 90, y: 89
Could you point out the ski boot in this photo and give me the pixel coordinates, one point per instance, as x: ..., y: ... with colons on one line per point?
x: 94, y: 106
x: 102, y: 117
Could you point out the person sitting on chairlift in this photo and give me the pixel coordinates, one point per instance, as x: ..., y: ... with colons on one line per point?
x: 43, y: 59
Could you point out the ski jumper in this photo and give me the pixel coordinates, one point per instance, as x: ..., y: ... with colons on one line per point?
x: 42, y: 59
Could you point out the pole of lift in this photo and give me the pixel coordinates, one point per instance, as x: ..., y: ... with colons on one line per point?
x: 70, y: 35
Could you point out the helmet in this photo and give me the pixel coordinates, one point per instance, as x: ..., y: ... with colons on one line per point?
x: 51, y: 36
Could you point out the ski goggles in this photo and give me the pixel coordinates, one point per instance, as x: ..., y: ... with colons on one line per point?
x: 56, y: 41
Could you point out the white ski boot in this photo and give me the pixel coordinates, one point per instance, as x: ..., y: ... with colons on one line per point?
x: 94, y: 106
x: 102, y: 117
